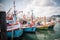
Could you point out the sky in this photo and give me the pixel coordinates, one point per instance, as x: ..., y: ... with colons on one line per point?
x: 39, y: 7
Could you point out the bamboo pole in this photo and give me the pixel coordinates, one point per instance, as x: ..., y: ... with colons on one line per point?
x: 44, y: 20
x: 45, y: 25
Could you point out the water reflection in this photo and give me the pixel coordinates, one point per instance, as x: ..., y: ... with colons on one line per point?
x: 43, y: 35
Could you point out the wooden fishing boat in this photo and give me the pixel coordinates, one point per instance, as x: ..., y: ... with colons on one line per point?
x: 30, y: 27
x: 46, y: 25
x: 14, y: 30
x: 13, y: 26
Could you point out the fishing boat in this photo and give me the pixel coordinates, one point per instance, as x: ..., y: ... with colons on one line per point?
x: 13, y: 26
x: 30, y: 25
x: 13, y: 29
x: 46, y: 24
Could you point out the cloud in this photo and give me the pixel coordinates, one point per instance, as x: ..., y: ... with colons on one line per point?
x: 57, y: 2
x: 44, y: 3
x: 2, y: 7
x: 40, y: 7
x: 43, y: 7
x: 0, y: 1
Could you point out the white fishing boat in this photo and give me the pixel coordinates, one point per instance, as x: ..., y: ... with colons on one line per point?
x: 13, y: 26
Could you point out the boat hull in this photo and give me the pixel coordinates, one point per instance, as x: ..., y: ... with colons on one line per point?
x: 45, y: 27
x: 32, y: 29
x: 16, y: 33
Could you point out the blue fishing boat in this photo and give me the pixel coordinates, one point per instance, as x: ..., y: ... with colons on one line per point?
x: 14, y: 30
x: 32, y: 27
x: 13, y: 26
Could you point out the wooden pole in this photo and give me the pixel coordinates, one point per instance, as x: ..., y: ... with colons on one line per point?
x: 12, y: 35
x: 44, y: 20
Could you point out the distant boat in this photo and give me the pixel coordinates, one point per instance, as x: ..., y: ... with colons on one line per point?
x: 57, y: 25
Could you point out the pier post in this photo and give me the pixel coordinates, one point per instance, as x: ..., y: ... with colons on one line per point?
x: 3, y: 26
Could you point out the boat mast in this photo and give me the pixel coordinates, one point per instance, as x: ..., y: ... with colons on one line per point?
x: 14, y: 12
x: 32, y: 15
x: 14, y: 4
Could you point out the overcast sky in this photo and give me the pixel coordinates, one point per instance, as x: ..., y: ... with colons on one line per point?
x: 40, y: 7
